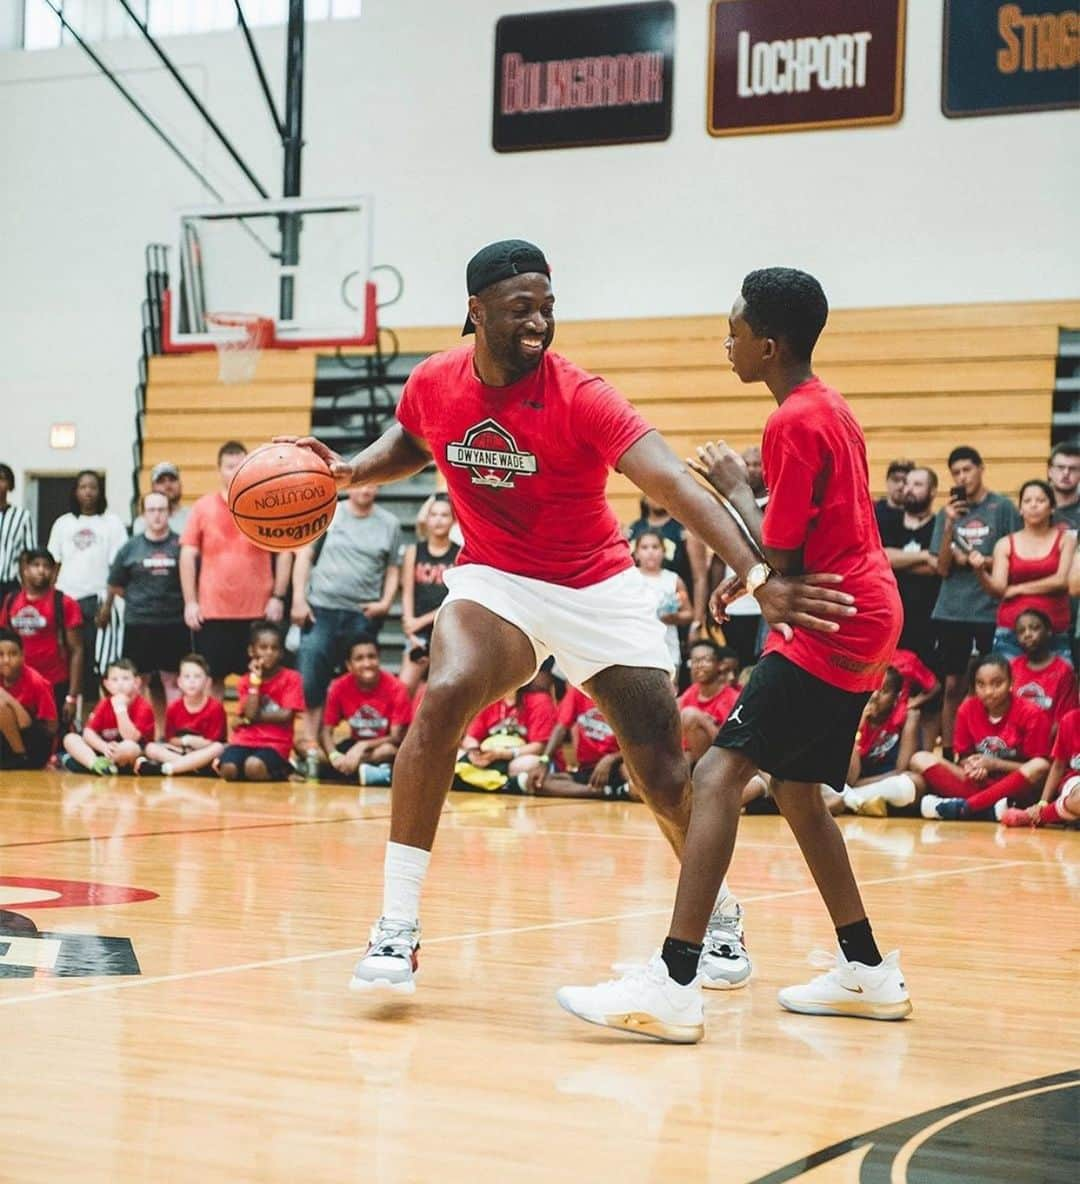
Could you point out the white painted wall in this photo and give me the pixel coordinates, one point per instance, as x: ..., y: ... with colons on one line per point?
x: 399, y: 104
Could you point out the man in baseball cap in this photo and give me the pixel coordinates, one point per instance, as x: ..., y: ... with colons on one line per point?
x: 165, y: 478
x: 497, y: 262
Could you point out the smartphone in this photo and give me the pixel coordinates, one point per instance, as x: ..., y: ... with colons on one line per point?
x: 957, y: 494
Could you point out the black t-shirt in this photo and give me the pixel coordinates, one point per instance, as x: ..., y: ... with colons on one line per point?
x: 887, y: 517
x: 919, y: 593
x: 149, y: 573
x: 429, y: 591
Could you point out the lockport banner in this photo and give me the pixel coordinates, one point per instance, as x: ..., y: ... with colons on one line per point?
x: 776, y: 66
x: 584, y: 76
x: 1004, y: 58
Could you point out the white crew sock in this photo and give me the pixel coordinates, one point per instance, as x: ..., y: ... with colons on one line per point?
x: 403, y: 877
x: 897, y: 790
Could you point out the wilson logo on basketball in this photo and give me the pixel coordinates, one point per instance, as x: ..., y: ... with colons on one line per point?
x: 491, y: 454
x: 297, y: 532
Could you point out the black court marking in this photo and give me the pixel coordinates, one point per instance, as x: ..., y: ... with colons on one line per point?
x: 1025, y: 1132
x: 214, y: 830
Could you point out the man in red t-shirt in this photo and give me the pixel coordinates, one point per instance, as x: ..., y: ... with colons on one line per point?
x: 377, y: 708
x: 707, y: 702
x: 53, y: 648
x: 525, y: 441
x: 27, y: 709
x: 798, y: 714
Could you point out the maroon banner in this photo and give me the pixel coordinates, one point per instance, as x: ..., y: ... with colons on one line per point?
x: 775, y: 66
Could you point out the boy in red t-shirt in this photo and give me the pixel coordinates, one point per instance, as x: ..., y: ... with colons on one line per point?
x: 506, y: 739
x: 1003, y: 743
x: 270, y: 697
x: 708, y: 701
x: 1060, y: 801
x: 377, y: 708
x: 118, y: 728
x: 27, y: 709
x: 599, y: 772
x: 1042, y: 677
x: 195, y: 726
x: 884, y: 745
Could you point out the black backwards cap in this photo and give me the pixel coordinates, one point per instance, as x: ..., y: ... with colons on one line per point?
x: 500, y: 261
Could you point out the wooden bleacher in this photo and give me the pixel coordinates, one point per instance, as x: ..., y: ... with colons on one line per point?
x: 921, y: 380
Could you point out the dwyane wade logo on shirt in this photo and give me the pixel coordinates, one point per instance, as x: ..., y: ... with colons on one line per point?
x: 491, y: 455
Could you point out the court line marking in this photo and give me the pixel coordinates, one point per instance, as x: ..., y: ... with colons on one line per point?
x: 318, y: 955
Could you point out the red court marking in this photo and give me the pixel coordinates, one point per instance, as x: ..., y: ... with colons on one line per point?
x: 72, y: 893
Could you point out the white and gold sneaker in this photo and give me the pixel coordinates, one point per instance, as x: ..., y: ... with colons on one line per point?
x: 852, y: 989
x: 646, y: 1001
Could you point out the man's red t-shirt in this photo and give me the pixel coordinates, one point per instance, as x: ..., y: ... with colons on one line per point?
x: 533, y: 719
x: 527, y: 464
x: 1052, y: 689
x: 1021, y: 734
x: 1067, y: 744
x: 916, y: 674
x: 719, y: 706
x: 103, y: 720
x: 34, y: 620
x: 283, y: 689
x: 34, y: 692
x: 877, y: 741
x: 593, y: 737
x: 814, y: 458
x: 369, y: 711
x: 235, y: 577
x: 208, y: 722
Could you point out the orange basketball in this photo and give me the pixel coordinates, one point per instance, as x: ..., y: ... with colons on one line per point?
x: 282, y: 497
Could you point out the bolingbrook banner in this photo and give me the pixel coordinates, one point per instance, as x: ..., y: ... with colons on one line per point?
x: 584, y: 76
x: 776, y: 66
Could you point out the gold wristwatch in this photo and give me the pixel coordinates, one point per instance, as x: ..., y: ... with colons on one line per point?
x: 757, y: 576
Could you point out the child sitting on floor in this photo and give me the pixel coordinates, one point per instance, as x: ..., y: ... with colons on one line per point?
x: 194, y: 726
x: 1060, y: 802
x: 884, y: 744
x: 27, y: 709
x: 1042, y: 677
x: 118, y: 728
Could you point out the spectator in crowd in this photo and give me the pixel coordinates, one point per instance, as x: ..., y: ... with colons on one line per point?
x: 165, y: 478
x: 16, y: 533
x: 965, y: 613
x: 884, y: 745
x: 1038, y: 674
x: 377, y: 708
x: 271, y: 696
x: 146, y: 573
x: 120, y: 725
x: 343, y: 587
x: 228, y: 582
x: 421, y: 525
x: 728, y: 665
x: 666, y: 587
x: 1060, y: 801
x: 1003, y: 743
x: 84, y: 542
x: 507, y: 738
x: 1030, y: 569
x: 49, y: 624
x: 195, y: 726
x: 598, y: 769
x: 27, y: 709
x: 708, y: 701
x: 908, y: 538
x: 892, y: 506
x: 422, y: 588
x: 1063, y: 474
x: 684, y: 553
x: 921, y: 692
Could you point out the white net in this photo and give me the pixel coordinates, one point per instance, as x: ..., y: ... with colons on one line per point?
x: 239, y: 338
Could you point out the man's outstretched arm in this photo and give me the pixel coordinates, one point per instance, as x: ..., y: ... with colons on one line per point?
x: 395, y: 454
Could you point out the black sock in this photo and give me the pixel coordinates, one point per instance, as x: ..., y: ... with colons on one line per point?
x: 947, y: 753
x: 681, y: 958
x: 857, y: 943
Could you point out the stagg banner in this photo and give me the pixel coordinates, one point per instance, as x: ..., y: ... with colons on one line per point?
x: 1003, y: 58
x: 584, y: 76
x: 775, y: 66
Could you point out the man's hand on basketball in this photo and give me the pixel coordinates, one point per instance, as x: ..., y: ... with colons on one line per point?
x: 720, y: 465
x: 339, y: 467
x: 805, y: 601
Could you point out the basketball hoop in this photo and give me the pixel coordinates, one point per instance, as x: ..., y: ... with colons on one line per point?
x: 239, y: 338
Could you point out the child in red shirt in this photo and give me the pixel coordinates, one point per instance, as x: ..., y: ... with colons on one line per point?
x: 884, y: 744
x: 507, y: 738
x: 118, y: 727
x: 1060, y: 802
x: 377, y: 708
x: 599, y: 772
x: 1042, y: 677
x: 270, y: 698
x: 1003, y: 742
x: 195, y: 726
x: 708, y: 701
x: 27, y: 709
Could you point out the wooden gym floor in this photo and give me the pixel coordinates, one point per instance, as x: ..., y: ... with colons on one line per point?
x: 223, y: 1045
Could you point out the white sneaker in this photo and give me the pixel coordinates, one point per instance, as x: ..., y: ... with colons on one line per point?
x: 929, y: 804
x: 646, y: 1001
x: 725, y: 964
x: 392, y: 958
x: 851, y: 989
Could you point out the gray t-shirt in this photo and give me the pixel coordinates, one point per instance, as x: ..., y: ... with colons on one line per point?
x: 149, y: 573
x: 354, y: 558
x: 962, y: 597
x: 1068, y: 516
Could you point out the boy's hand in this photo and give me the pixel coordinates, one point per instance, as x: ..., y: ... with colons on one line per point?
x: 720, y: 465
x: 120, y: 703
x: 255, y: 668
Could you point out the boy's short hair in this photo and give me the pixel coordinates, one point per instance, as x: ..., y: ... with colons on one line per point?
x: 258, y: 628
x: 230, y: 448
x: 709, y: 644
x: 32, y: 553
x: 965, y: 452
x: 195, y: 660
x: 363, y: 639
x: 900, y: 466
x: 1040, y: 615
x: 122, y: 664
x: 12, y: 636
x: 785, y: 304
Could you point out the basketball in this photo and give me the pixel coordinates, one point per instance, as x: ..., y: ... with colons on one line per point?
x: 282, y: 497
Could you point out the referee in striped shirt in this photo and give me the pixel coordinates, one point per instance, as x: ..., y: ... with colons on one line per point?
x: 16, y: 534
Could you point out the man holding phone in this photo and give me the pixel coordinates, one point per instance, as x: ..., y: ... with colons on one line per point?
x: 965, y: 613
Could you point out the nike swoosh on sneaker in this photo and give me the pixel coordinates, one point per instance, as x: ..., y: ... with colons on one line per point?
x: 853, y: 990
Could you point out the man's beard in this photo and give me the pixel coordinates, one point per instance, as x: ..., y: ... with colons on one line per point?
x: 917, y: 508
